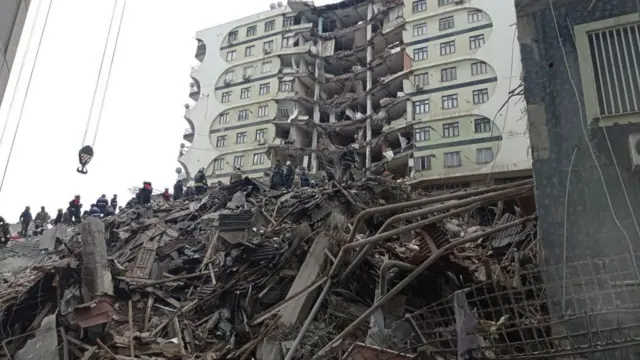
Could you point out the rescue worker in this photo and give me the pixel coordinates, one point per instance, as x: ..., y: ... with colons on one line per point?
x: 277, y: 177
x: 289, y: 173
x: 200, y: 182
x: 304, y: 179
x: 144, y: 195
x: 102, y: 203
x: 178, y: 189
x: 25, y: 220
x: 189, y: 192
x: 236, y: 176
x: 165, y: 195
x: 42, y: 219
x: 74, y: 209
x: 5, y: 231
x: 330, y: 175
x: 114, y: 202
x: 95, y: 211
x: 347, y: 161
x: 59, y: 217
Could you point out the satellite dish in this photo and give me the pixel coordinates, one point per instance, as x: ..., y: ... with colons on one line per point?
x: 192, y: 84
x: 178, y: 170
x: 187, y: 106
x: 272, y: 6
x: 279, y: 4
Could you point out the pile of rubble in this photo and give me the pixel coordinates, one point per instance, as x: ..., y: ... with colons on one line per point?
x: 252, y: 273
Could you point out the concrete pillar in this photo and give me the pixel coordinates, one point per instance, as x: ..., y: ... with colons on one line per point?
x: 316, y: 99
x: 369, y: 84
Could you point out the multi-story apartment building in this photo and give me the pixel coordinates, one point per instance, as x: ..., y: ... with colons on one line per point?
x: 425, y: 89
x: 12, y: 17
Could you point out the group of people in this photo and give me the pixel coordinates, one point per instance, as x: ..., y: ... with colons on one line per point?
x: 287, y: 177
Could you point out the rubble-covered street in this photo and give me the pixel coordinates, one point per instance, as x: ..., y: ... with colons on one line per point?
x: 342, y: 271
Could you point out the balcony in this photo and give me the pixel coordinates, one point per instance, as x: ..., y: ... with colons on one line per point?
x: 194, y: 91
x: 188, y: 135
x: 201, y: 50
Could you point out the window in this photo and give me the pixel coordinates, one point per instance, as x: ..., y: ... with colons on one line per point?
x: 266, y: 66
x: 247, y: 71
x: 269, y: 25
x: 218, y: 164
x: 448, y: 74
x: 283, y: 113
x: 223, y: 118
x: 263, y: 110
x: 420, y: 53
x: 226, y: 97
x: 445, y: 2
x: 267, y: 46
x: 478, y: 68
x: 243, y: 115
x: 241, y: 137
x: 446, y: 23
x: 423, y: 163
x: 419, y: 5
x: 421, y: 107
x: 252, y: 30
x: 480, y: 96
x: 248, y: 51
x: 421, y: 79
x: 450, y: 101
x: 484, y: 155
x: 230, y: 76
x: 448, y: 48
x: 288, y: 41
x: 289, y: 21
x: 476, y: 41
x: 258, y: 159
x: 238, y: 161
x: 245, y: 93
x: 221, y: 141
x: 452, y: 159
x: 286, y: 86
x: 422, y: 134
x: 261, y: 134
x: 233, y: 36
x: 419, y: 29
x: 474, y: 16
x: 482, y: 125
x: 264, y: 89
x: 451, y: 130
x: 231, y: 55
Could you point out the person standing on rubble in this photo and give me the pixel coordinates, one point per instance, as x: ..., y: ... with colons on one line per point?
x: 178, y: 189
x: 102, y: 203
x: 42, y: 219
x: 236, y: 176
x: 200, y: 182
x: 59, y: 218
x: 144, y: 195
x: 347, y: 161
x: 94, y: 210
x: 25, y: 220
x: 189, y: 192
x: 74, y: 209
x: 114, y: 202
x: 166, y: 195
x: 289, y: 173
x: 277, y: 177
x: 304, y: 179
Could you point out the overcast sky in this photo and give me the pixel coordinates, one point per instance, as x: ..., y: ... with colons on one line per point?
x: 142, y: 122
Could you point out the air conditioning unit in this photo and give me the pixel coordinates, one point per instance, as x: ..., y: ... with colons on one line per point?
x: 227, y: 81
x: 262, y: 142
x: 418, y: 86
x: 187, y: 106
x: 634, y: 150
x: 267, y: 51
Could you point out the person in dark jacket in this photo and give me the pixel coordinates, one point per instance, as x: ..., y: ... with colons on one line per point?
x: 5, y: 231
x: 178, y: 189
x: 114, y: 202
x: 189, y: 192
x: 304, y: 179
x: 166, y: 195
x: 144, y: 195
x: 25, y: 220
x: 200, y: 182
x: 347, y: 163
x: 94, y: 210
x: 74, y: 209
x: 236, y: 176
x: 289, y: 173
x: 102, y: 203
x: 59, y: 217
x: 277, y: 177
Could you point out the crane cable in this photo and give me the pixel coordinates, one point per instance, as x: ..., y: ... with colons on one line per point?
x: 26, y: 94
x: 20, y: 70
x: 86, y: 151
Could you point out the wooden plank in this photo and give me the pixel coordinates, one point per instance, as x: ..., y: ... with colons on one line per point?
x: 147, y: 253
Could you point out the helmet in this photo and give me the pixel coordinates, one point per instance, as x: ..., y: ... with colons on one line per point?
x: 201, y: 169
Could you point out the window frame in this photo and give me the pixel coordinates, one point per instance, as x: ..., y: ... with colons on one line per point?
x: 475, y: 16
x: 241, y: 161
x: 243, y: 115
x: 225, y: 97
x: 262, y: 132
x: 266, y: 64
x: 446, y: 23
x: 448, y: 46
x: 449, y: 74
x: 484, y: 161
x: 231, y: 55
x: 252, y: 30
x: 218, y: 164
x: 263, y: 111
x: 223, y: 118
x: 283, y: 88
x: 249, y: 51
x: 445, y: 2
x: 418, y: 79
x: 260, y: 157
x: 268, y: 45
x: 421, y: 104
x: 420, y: 29
x: 245, y: 92
x: 421, y: 134
x: 449, y: 101
x: 480, y: 94
x: 221, y: 139
x: 451, y: 129
x: 479, y: 65
x: 241, y: 137
x: 483, y: 125
x: 419, y: 160
x: 419, y: 6
x: 421, y: 51
x: 457, y: 156
x: 270, y: 25
x: 264, y: 89
x: 288, y: 21
x: 233, y: 36
x: 476, y: 41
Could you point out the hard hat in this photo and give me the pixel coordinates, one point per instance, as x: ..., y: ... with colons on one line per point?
x: 288, y: 162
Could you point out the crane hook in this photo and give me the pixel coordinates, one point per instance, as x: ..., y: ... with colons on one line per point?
x: 84, y: 158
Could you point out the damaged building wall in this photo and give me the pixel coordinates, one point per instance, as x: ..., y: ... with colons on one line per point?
x: 461, y: 79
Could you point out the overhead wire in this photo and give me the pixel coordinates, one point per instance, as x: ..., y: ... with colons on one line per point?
x: 26, y: 94
x: 106, y: 89
x: 21, y: 69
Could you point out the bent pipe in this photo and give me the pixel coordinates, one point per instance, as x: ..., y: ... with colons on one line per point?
x: 376, y: 238
x: 388, y: 208
x: 384, y: 273
x: 441, y: 207
x: 444, y: 250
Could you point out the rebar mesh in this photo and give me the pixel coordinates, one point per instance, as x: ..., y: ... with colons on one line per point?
x: 559, y: 311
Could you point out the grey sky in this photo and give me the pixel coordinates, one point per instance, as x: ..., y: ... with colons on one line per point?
x: 142, y: 122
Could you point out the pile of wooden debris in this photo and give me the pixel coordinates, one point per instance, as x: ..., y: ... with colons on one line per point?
x: 252, y: 273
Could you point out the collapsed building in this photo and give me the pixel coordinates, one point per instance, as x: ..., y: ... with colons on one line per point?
x: 311, y: 84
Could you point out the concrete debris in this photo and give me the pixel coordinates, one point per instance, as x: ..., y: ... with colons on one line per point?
x: 246, y: 272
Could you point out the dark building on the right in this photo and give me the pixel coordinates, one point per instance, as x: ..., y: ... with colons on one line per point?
x: 581, y: 74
